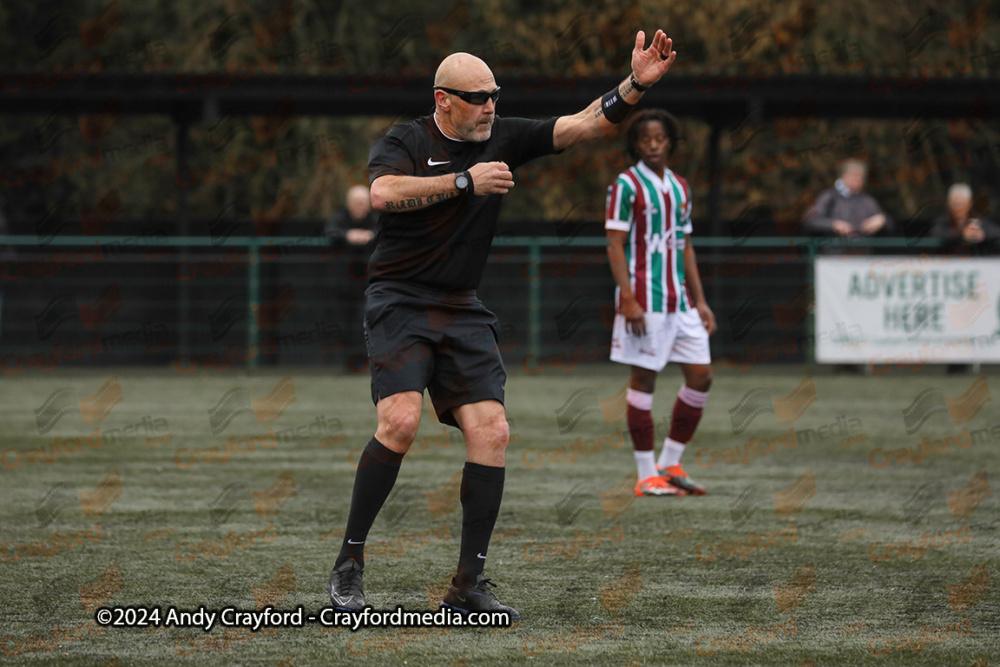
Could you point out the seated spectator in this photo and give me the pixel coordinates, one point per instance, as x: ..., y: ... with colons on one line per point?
x: 845, y: 210
x: 957, y: 227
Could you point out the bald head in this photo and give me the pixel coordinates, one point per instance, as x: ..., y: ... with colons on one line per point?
x: 358, y: 202
x: 960, y: 201
x: 457, y: 118
x: 464, y: 71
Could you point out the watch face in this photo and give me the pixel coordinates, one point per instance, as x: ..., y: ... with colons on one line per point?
x: 461, y: 182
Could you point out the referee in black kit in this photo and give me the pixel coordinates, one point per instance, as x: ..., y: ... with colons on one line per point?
x: 436, y: 182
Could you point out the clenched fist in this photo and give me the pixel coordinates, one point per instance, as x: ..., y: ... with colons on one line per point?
x: 491, y: 178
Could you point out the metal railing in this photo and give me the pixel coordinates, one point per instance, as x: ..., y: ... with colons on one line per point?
x: 523, y: 284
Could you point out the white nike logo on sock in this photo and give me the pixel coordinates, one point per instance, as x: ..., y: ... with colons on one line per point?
x: 481, y: 556
x: 350, y: 542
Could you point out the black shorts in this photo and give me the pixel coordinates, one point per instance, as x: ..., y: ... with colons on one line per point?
x: 446, y: 342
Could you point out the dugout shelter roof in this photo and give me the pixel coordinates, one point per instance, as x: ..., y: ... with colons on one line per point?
x: 717, y: 99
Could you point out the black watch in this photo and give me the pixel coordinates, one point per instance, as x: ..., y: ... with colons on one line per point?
x: 637, y: 85
x: 463, y: 181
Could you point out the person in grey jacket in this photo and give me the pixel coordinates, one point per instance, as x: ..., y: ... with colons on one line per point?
x: 845, y: 210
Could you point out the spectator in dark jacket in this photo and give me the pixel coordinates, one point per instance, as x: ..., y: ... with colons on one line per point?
x: 957, y: 227
x: 352, y: 229
x: 962, y: 232
x: 845, y: 210
x: 355, y: 223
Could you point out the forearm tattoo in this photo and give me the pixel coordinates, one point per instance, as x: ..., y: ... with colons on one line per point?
x: 404, y: 204
x: 417, y: 202
x: 433, y: 199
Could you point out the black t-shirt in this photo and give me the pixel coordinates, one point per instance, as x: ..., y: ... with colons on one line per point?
x: 445, y: 245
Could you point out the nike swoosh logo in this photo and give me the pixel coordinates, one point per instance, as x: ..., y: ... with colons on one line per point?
x: 481, y: 556
x: 460, y: 598
x: 350, y: 542
x: 342, y: 601
x: 432, y: 163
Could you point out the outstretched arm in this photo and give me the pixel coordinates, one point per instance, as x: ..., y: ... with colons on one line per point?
x: 648, y: 66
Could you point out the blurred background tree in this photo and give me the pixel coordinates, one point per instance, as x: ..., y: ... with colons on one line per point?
x: 555, y: 44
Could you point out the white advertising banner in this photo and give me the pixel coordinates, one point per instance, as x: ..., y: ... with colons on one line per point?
x: 907, y: 311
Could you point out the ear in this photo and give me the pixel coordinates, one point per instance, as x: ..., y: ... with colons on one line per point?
x: 441, y: 101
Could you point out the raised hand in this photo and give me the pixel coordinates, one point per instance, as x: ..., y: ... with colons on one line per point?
x: 649, y: 65
x: 491, y: 178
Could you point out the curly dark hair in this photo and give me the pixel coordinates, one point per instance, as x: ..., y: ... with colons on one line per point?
x: 670, y: 126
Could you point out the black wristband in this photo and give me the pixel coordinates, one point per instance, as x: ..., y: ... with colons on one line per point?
x: 637, y: 85
x: 616, y: 109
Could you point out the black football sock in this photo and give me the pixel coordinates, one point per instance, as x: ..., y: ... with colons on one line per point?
x: 377, y: 471
x: 482, y: 491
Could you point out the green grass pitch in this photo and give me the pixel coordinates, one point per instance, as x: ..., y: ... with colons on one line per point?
x: 850, y: 564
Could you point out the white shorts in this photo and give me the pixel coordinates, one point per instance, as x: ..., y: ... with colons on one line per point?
x: 677, y: 337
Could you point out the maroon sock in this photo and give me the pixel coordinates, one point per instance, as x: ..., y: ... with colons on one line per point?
x: 685, y: 417
x: 640, y: 425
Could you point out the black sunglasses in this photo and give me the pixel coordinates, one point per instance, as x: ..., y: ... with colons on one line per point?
x: 472, y: 98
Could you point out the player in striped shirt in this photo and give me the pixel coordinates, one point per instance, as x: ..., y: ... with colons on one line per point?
x: 661, y: 311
